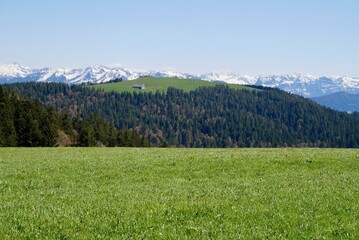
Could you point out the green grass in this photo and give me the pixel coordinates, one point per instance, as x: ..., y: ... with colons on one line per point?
x: 160, y: 84
x: 122, y: 193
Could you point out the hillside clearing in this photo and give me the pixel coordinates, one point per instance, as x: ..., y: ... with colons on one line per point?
x: 153, y: 84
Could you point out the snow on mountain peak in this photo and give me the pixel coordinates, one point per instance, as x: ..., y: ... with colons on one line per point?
x: 228, y: 77
x: 14, y: 70
x: 302, y: 84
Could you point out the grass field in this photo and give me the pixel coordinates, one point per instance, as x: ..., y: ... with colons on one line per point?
x: 122, y: 193
x: 160, y: 84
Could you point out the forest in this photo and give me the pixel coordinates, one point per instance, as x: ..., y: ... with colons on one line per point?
x: 206, y: 117
x: 28, y: 123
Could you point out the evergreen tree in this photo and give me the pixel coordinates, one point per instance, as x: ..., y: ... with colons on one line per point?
x: 207, y: 117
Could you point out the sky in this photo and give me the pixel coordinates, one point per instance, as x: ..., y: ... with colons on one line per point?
x: 255, y: 37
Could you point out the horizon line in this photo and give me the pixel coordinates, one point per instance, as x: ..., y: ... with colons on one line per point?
x: 173, y: 70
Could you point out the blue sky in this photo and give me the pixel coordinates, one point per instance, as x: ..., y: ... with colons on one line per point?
x: 256, y: 37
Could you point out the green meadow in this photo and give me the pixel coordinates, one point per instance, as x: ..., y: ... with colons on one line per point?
x: 131, y: 193
x: 153, y: 84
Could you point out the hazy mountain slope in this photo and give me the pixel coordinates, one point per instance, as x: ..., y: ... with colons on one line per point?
x: 340, y: 101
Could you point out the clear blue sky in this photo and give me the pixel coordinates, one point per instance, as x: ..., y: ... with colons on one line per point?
x: 254, y: 37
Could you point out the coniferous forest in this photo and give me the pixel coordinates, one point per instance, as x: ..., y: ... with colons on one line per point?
x: 206, y: 117
x: 27, y: 123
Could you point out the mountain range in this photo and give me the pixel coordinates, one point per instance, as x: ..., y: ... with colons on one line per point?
x: 302, y: 84
x: 341, y: 101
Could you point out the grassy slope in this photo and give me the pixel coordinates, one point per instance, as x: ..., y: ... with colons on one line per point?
x: 159, y: 84
x: 178, y: 193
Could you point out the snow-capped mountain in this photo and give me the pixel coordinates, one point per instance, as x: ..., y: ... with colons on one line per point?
x: 10, y: 73
x: 14, y: 70
x: 229, y: 77
x: 169, y: 74
x: 310, y: 86
x: 16, y: 73
x: 302, y: 84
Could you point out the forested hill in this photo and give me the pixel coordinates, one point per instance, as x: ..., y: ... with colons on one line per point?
x: 209, y: 116
x: 27, y: 123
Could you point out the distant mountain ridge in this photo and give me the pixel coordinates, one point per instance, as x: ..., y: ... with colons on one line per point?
x: 341, y: 101
x: 301, y: 84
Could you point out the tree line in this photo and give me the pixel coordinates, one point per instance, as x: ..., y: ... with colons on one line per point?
x: 207, y: 117
x: 28, y: 123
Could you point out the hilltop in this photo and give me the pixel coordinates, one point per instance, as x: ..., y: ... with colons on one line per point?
x: 153, y: 84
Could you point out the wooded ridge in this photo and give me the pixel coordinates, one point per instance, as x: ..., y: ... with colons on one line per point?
x: 206, y: 117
